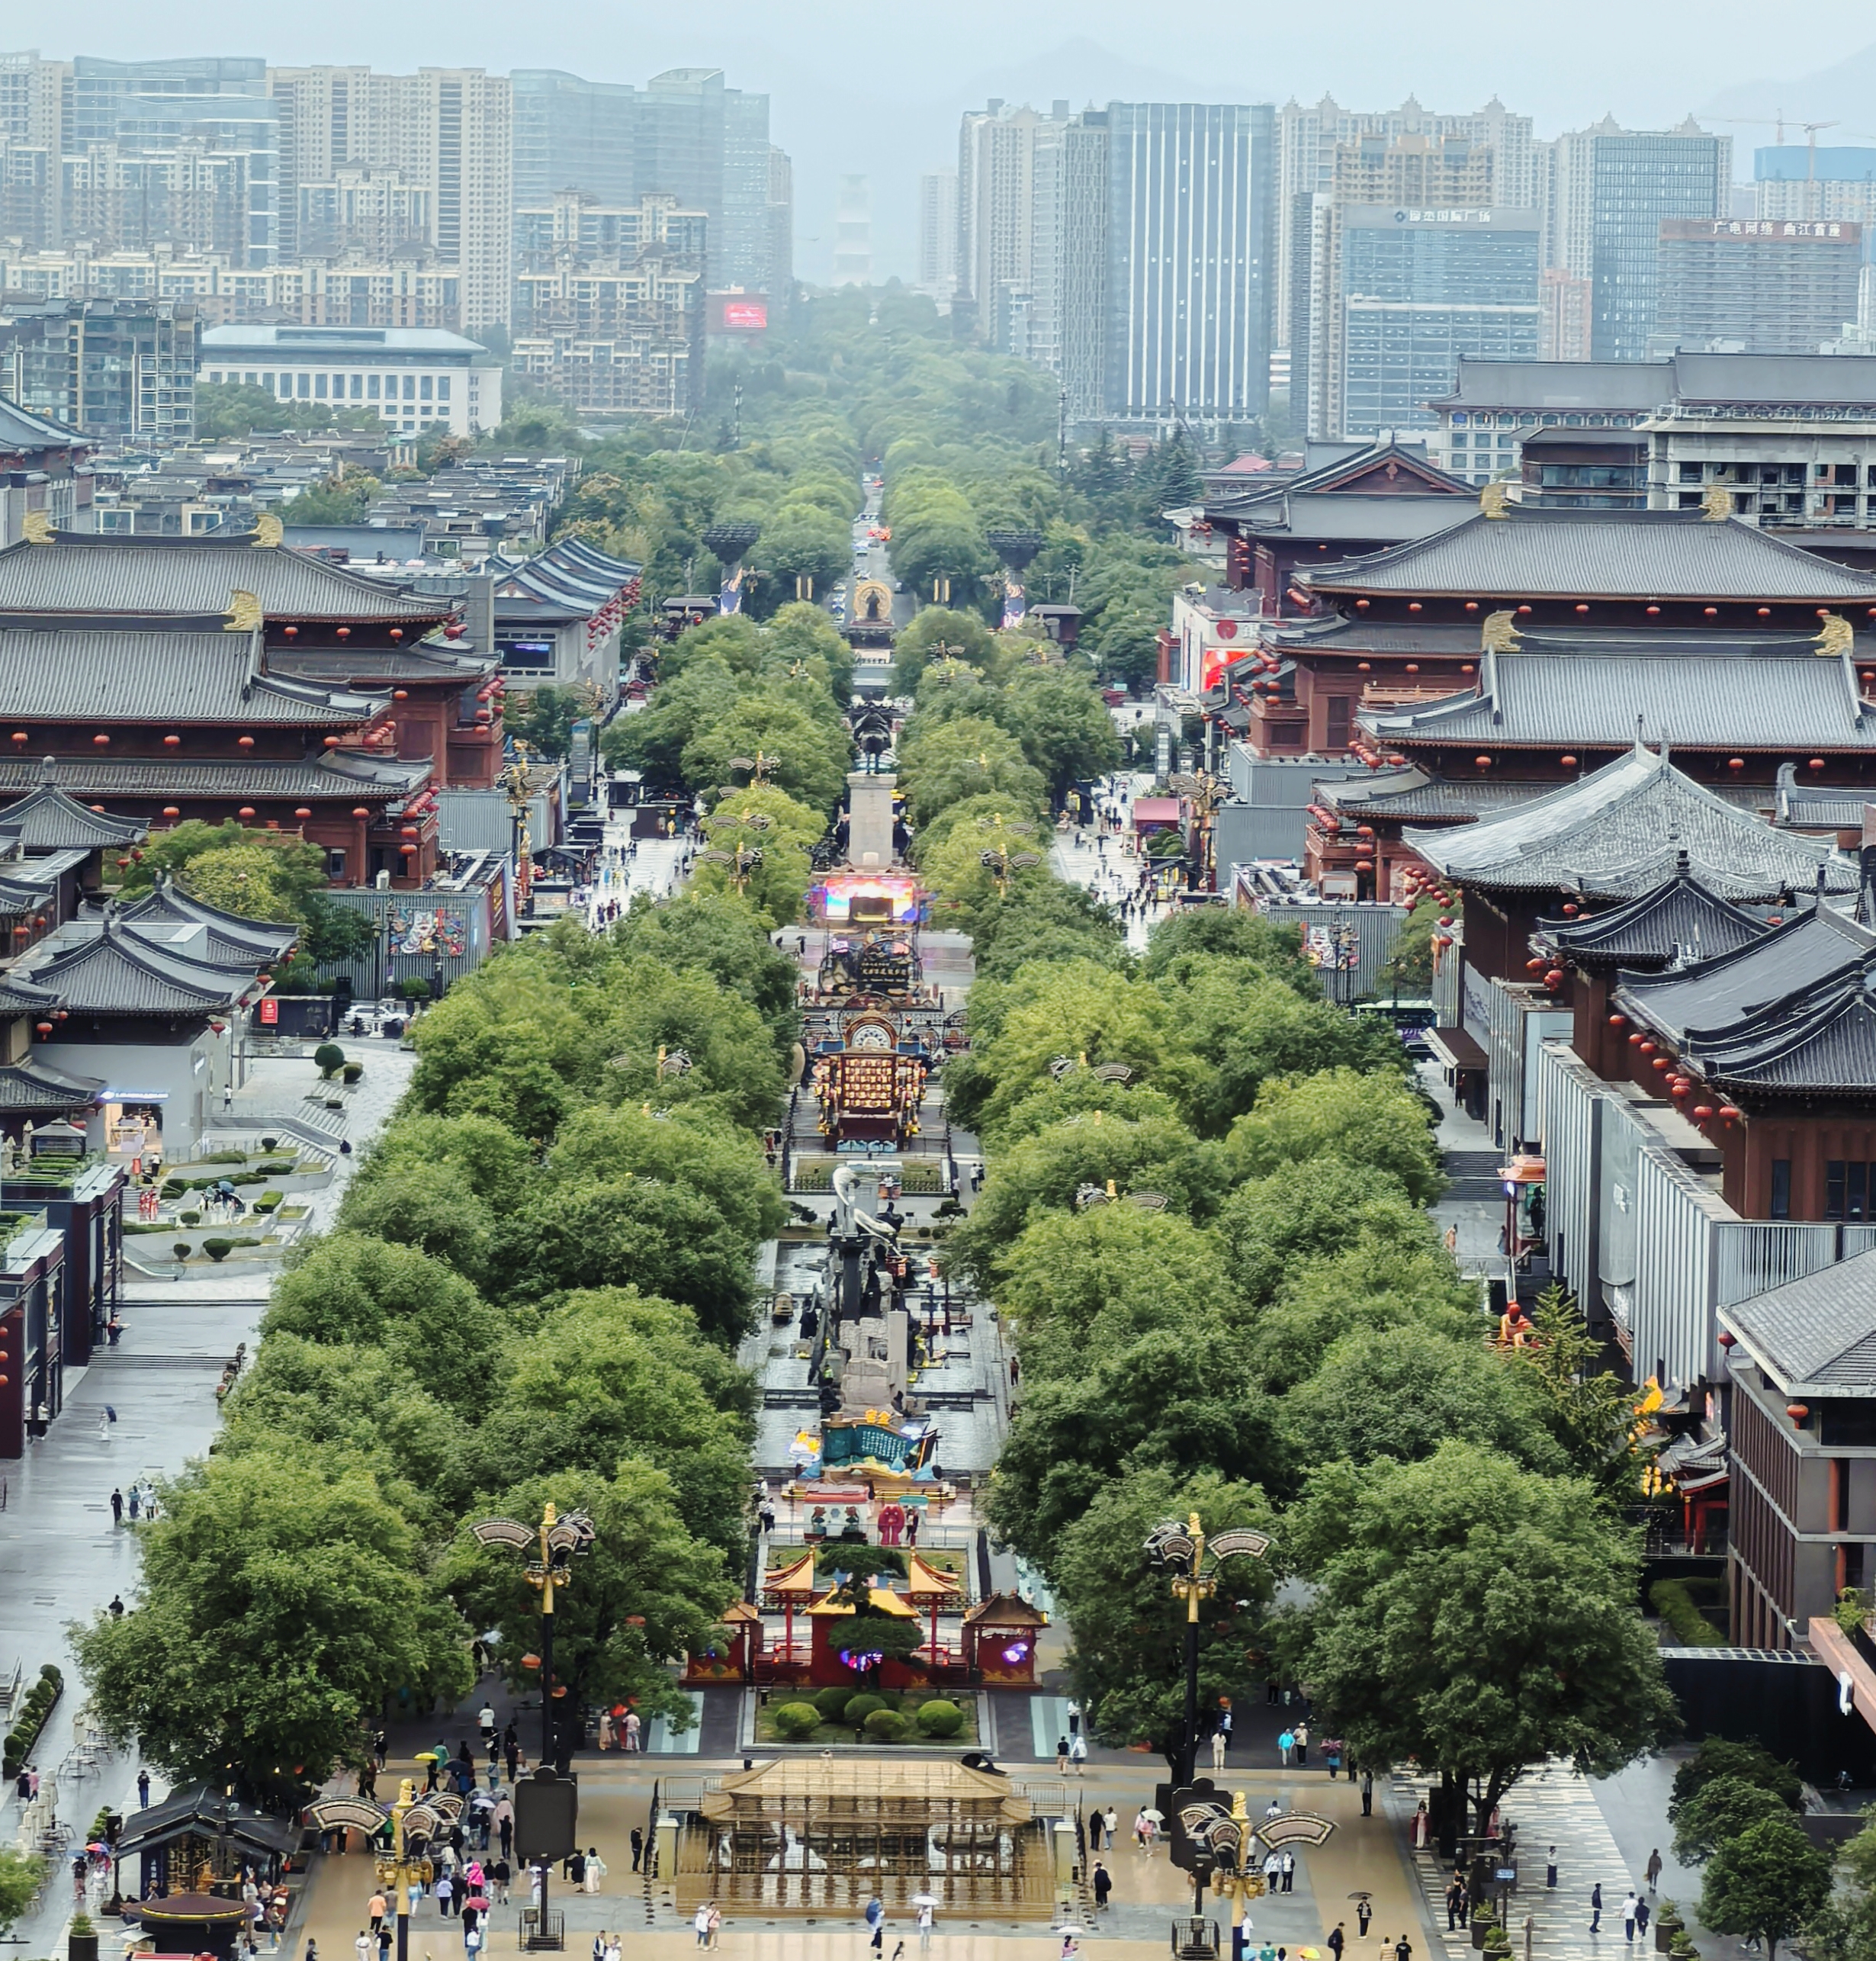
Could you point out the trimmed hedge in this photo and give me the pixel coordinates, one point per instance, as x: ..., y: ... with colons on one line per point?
x: 29, y: 1722
x: 887, y: 1726
x: 268, y: 1201
x: 794, y: 1722
x: 218, y: 1250
x: 938, y: 1718
x: 859, y: 1707
x: 1674, y: 1604
x: 831, y: 1703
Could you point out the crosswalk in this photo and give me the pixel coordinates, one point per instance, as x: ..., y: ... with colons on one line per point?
x: 1550, y: 1807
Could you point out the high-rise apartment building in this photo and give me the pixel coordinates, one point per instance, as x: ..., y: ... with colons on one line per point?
x: 447, y: 132
x: 35, y: 116
x: 938, y: 233
x: 1834, y: 180
x: 1309, y: 138
x: 1563, y: 309
x: 686, y: 135
x: 123, y: 371
x: 571, y: 134
x: 853, y: 233
x: 1612, y: 189
x: 1190, y: 236
x: 996, y: 207
x: 1756, y: 285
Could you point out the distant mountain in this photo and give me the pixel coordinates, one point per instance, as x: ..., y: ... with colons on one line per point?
x: 1844, y: 93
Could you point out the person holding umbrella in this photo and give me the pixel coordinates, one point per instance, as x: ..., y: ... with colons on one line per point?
x: 1365, y: 1912
x: 926, y: 1904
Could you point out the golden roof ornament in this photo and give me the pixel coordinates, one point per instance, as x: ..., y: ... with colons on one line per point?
x: 36, y: 528
x: 1495, y: 500
x: 268, y: 531
x: 244, y: 612
x: 1837, y: 637
x: 1716, y: 505
x: 1498, y: 635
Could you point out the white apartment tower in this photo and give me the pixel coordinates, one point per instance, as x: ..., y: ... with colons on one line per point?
x: 997, y: 208
x: 447, y: 132
x: 938, y: 234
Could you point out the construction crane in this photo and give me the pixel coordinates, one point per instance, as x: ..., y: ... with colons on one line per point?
x: 1777, y: 123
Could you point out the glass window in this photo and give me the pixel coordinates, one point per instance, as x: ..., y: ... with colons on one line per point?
x: 442, y: 387
x: 306, y: 386
x: 1835, y: 1187
x: 371, y: 387
x: 423, y: 387
x: 319, y: 386
x: 357, y: 387
x: 410, y: 387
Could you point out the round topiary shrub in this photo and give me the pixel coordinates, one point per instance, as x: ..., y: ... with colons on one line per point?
x: 860, y: 1707
x: 180, y: 1249
x: 795, y: 1722
x: 329, y: 1058
x: 832, y: 1702
x: 270, y: 1143
x: 940, y: 1719
x: 218, y: 1249
x: 353, y: 1070
x: 887, y: 1726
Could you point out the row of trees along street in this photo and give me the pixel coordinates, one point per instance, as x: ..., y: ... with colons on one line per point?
x: 1276, y: 1337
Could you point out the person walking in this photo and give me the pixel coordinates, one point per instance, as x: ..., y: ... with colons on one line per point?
x: 1403, y: 1949
x: 117, y: 1508
x: 638, y: 1846
x: 1288, y: 1870
x: 702, y: 1923
x: 1365, y: 1912
x: 1595, y: 1907
x: 1367, y: 1794
x: 1549, y: 1870
x: 1654, y: 1869
x: 632, y: 1727
x: 142, y: 1790
x: 1113, y: 1828
x: 444, y: 1889
x: 595, y: 1869
x: 377, y: 1907
x: 1303, y: 1743
x: 1628, y: 1916
x: 1061, y: 1757
x: 1077, y: 1752
x: 1103, y: 1885
x: 1337, y: 1941
x: 924, y: 1924
x: 1455, y: 1900
x: 876, y: 1921
x: 1286, y: 1743
x: 1641, y: 1919
x: 1218, y: 1750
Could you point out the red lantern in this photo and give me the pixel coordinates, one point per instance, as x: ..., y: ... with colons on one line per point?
x: 1582, y: 608
x: 173, y: 742
x: 345, y: 633
x: 1765, y: 612
x: 1712, y: 612
x: 244, y: 741
x: 1727, y: 1338
x: 170, y: 810
x: 1647, y: 1047
x: 101, y: 741
x: 245, y: 812
x: 1568, y: 762
x: 1663, y: 1062
x: 1730, y: 1111
x: 396, y: 633
x: 21, y: 735
x: 455, y: 631
x: 1413, y: 667
x: 303, y: 812
x: 332, y: 741
x: 1484, y: 762
x: 1636, y: 1042
x: 1570, y: 912
x: 1616, y: 1020
x: 291, y: 632
x: 1797, y: 1412
x: 400, y: 694
x: 45, y: 1027
x: 409, y: 851
x: 1817, y: 762
x: 359, y: 810
x: 1703, y: 1111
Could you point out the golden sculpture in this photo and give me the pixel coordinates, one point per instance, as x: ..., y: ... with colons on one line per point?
x: 36, y: 528
x: 1495, y: 500
x: 1716, y: 505
x: 268, y: 531
x: 244, y: 612
x: 1837, y: 637
x: 1499, y: 633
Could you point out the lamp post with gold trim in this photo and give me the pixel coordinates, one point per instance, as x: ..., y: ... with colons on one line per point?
x: 1181, y: 1551
x: 414, y: 1823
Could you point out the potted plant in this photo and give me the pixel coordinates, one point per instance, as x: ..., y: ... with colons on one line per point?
x: 1483, y: 1929
x: 81, y: 1939
x: 1668, y: 1927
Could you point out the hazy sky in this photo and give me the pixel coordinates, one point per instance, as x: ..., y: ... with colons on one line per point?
x: 877, y: 87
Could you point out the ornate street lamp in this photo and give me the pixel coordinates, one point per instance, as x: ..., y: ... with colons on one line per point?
x: 414, y: 1824
x: 1224, y: 1842
x: 1182, y: 1552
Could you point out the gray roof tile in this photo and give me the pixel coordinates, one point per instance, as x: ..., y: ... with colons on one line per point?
x: 1816, y: 1335
x: 1679, y: 919
x: 1539, y: 552
x: 1619, y: 832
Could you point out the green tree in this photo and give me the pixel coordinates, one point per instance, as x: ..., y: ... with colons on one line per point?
x: 969, y: 757
x: 21, y: 1875
x: 1363, y: 1120
x: 1067, y: 734
x: 1719, y: 1812
x: 1125, y: 1665
x: 1767, y: 1884
x: 254, y: 1560
x: 645, y: 1593
x: 1844, y: 1928
x: 1721, y: 1756
x: 543, y: 718
x: 1476, y: 1617
x: 939, y: 633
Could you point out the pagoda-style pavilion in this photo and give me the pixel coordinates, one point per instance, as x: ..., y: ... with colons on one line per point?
x: 823, y: 1834
x: 933, y: 1591
x: 831, y: 1659
x: 1000, y: 1637
x: 791, y: 1588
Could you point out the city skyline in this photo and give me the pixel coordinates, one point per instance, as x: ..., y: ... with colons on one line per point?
x: 903, y: 103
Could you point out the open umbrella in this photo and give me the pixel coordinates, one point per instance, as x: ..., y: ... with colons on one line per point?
x: 1158, y: 1817
x: 1360, y: 1896
x: 480, y: 1903
x: 924, y: 1899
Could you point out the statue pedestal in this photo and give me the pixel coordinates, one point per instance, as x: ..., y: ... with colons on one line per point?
x: 869, y: 821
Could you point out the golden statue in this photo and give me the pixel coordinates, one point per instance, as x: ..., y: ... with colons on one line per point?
x: 1837, y: 636
x: 268, y: 531
x: 244, y: 612
x: 36, y: 528
x: 1499, y: 633
x: 1495, y: 500
x: 1716, y: 505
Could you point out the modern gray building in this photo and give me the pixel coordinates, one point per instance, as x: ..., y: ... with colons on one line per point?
x: 684, y: 134
x: 1190, y: 192
x: 1611, y: 189
x: 1419, y: 289
x: 1757, y: 285
x: 160, y: 132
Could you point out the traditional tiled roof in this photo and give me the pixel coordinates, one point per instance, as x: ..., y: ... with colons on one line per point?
x: 1620, y: 831
x: 52, y: 674
x: 1816, y: 1336
x: 32, y: 1088
x: 1483, y: 383
x: 1353, y: 634
x: 1326, y: 515
x: 1720, y: 991
x: 349, y: 772
x: 1540, y: 552
x: 1414, y: 792
x: 49, y: 820
x: 1743, y: 692
x: 18, y: 995
x: 379, y: 666
x: 228, y: 937
x: 95, y: 573
x: 26, y: 429
x: 105, y: 966
x: 1681, y: 920
x: 1818, y: 1042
